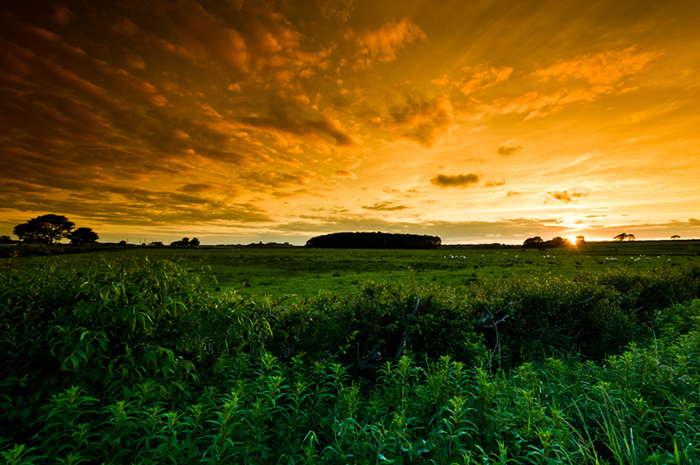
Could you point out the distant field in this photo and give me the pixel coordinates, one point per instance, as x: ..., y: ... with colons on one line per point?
x: 305, y: 272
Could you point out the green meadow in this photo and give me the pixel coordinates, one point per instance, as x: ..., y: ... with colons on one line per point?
x: 286, y: 355
x: 303, y: 272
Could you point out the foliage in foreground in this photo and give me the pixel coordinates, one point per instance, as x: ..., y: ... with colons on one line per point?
x: 640, y: 407
x: 142, y: 362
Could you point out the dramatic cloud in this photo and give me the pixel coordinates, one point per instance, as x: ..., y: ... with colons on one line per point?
x: 505, y: 150
x: 564, y: 196
x: 245, y: 116
x: 457, y: 180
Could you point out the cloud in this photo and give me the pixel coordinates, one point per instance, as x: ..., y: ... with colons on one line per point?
x: 564, y: 196
x: 279, y: 121
x: 694, y: 222
x: 346, y: 174
x: 476, y: 78
x: 202, y: 187
x: 604, y: 68
x: 422, y: 122
x: 62, y: 15
x: 340, y: 9
x: 585, y: 79
x: 513, y: 193
x: 506, y: 150
x: 206, y: 37
x: 495, y: 184
x: 457, y: 180
x: 384, y: 206
x: 382, y: 44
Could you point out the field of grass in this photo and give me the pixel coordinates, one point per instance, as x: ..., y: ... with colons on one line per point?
x: 280, y: 271
x: 452, y: 356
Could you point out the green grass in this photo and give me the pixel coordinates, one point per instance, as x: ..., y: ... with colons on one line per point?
x: 144, y: 361
x: 280, y: 271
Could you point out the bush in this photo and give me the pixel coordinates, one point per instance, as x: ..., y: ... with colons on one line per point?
x: 111, y: 326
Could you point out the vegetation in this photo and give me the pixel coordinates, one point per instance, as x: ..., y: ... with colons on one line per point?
x: 46, y: 228
x: 83, y: 236
x: 144, y: 361
x: 372, y: 240
x: 539, y: 243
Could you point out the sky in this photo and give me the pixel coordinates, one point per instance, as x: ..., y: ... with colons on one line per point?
x: 238, y: 121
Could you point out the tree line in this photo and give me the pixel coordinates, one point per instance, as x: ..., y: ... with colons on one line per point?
x: 50, y: 229
x: 373, y: 240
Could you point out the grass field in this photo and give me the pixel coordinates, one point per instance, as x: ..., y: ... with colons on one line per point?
x: 490, y: 355
x: 280, y: 271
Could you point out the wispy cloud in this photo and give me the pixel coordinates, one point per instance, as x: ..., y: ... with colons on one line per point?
x: 384, y: 206
x: 476, y: 78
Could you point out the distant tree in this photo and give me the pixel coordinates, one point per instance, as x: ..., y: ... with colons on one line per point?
x: 559, y: 242
x: 47, y: 228
x: 533, y: 242
x: 82, y: 236
x: 675, y: 236
x: 373, y: 240
x: 194, y: 242
x: 580, y: 240
x: 122, y: 242
x: 630, y: 237
x: 185, y: 241
x: 620, y: 237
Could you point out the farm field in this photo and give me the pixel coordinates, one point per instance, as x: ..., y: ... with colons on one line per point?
x: 280, y: 271
x: 457, y: 355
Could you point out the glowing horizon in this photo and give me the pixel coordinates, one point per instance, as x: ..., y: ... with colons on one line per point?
x: 237, y: 121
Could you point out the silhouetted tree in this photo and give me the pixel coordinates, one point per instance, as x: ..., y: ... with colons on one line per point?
x: 47, y: 228
x: 620, y: 237
x: 580, y: 240
x: 82, y: 236
x: 374, y: 240
x: 630, y: 237
x: 559, y: 242
x: 533, y: 242
x: 675, y: 236
x: 194, y: 242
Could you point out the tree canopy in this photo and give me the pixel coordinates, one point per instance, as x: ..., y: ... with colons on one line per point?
x: 538, y: 243
x: 47, y: 228
x: 82, y: 236
x: 374, y: 240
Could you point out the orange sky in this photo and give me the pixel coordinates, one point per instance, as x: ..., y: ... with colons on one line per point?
x: 242, y: 121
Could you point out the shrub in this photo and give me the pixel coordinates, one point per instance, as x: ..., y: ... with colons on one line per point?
x: 112, y: 325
